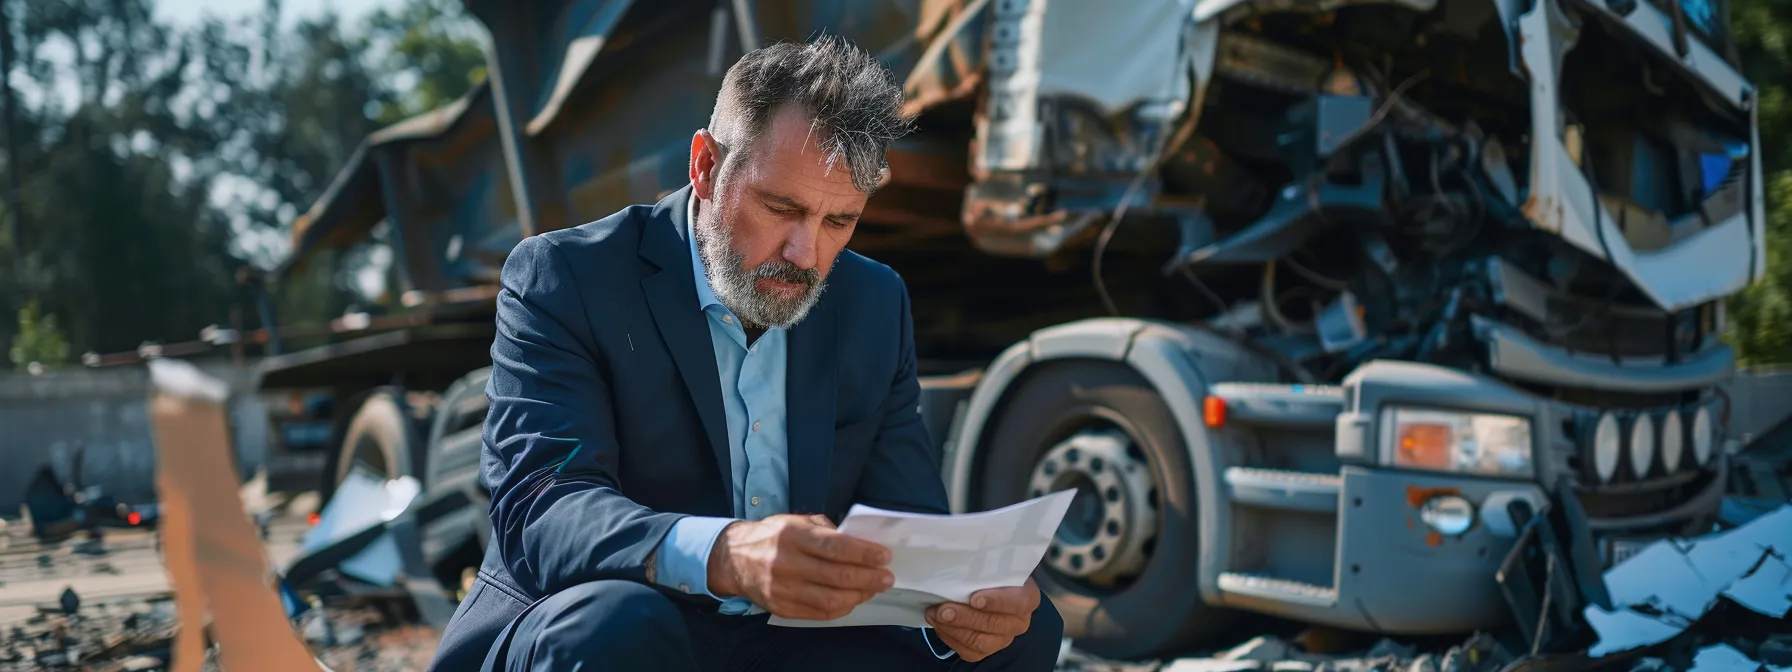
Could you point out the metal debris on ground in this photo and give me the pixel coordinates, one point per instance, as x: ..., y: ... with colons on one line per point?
x: 1669, y: 586
x: 1272, y: 654
x: 101, y: 636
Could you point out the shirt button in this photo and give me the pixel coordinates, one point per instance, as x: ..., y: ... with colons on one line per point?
x: 755, y: 426
x: 684, y: 587
x: 755, y: 501
x: 728, y: 318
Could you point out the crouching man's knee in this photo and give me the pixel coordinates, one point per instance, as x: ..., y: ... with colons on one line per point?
x: 601, y: 625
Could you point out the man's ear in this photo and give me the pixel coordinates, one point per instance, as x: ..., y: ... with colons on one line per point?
x: 706, y: 164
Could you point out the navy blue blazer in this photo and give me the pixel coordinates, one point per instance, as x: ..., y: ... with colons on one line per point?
x: 606, y: 421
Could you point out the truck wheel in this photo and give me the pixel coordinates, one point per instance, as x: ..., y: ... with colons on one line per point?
x: 381, y: 438
x: 1121, y: 569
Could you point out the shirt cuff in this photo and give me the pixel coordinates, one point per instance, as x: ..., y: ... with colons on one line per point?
x: 936, y: 649
x: 682, y: 560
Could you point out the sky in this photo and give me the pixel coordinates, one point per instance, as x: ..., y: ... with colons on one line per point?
x: 191, y: 11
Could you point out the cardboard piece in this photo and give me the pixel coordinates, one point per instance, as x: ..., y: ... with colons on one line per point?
x: 216, y: 563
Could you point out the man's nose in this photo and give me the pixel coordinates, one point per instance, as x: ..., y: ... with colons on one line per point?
x: 799, y: 246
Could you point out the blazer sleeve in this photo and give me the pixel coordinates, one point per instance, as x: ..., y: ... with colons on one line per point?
x: 550, y: 457
x: 903, y: 471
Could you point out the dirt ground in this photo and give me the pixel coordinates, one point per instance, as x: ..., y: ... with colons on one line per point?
x: 123, y: 615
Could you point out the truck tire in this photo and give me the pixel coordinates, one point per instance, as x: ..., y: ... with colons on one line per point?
x: 1100, y: 427
x: 381, y: 438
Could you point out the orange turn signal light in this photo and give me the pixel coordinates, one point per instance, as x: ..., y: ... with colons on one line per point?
x: 1424, y: 445
x: 1213, y: 411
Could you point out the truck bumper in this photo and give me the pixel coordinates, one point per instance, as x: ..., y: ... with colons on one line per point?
x: 1393, y: 572
x: 1398, y: 574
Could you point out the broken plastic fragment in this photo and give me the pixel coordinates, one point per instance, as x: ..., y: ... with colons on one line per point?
x: 1767, y: 590
x: 1722, y: 658
x: 1660, y: 591
x: 1625, y: 629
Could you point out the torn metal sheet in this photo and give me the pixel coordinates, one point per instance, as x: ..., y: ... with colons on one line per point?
x: 1662, y: 590
x: 363, y: 501
x: 1115, y: 59
x: 1563, y: 200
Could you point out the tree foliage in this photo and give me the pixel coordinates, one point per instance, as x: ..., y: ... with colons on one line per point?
x: 38, y: 341
x: 1760, y: 319
x: 158, y: 161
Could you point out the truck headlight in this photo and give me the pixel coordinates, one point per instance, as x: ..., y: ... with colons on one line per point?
x: 1480, y: 443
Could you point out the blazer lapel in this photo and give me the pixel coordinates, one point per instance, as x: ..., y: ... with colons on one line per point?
x: 672, y: 297
x: 813, y: 359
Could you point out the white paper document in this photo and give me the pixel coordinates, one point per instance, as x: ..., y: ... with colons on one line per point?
x: 946, y: 558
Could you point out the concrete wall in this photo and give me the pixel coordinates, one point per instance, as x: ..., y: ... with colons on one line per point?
x: 1762, y: 397
x: 103, y: 412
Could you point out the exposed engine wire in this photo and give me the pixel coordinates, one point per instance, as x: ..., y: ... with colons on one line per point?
x: 1315, y: 277
x: 1164, y: 143
x: 1270, y: 308
x: 1219, y: 304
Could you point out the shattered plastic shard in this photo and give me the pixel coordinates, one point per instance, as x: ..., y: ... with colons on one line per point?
x: 1767, y: 590
x: 1722, y: 658
x: 1624, y: 629
x: 1674, y: 582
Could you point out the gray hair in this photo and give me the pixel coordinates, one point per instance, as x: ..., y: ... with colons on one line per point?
x: 854, y: 104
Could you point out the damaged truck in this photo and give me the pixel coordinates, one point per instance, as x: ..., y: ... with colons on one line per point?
x: 1317, y: 304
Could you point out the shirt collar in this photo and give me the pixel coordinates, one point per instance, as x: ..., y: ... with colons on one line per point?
x: 706, y: 295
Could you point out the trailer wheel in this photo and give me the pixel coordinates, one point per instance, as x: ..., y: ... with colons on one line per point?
x: 1121, y: 569
x: 381, y: 438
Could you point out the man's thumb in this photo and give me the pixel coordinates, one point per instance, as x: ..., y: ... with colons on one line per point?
x: 822, y: 520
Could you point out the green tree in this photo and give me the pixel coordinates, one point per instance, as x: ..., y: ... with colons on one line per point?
x: 431, y: 52
x: 1760, y: 319
x: 37, y: 341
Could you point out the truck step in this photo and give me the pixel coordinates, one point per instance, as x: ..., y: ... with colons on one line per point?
x: 1278, y: 489
x: 1280, y: 590
x: 1280, y: 405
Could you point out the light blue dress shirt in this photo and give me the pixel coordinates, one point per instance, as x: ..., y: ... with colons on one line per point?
x: 754, y: 401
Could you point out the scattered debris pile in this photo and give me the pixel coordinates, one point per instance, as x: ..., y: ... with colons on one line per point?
x: 58, y: 510
x: 1272, y: 654
x: 136, y: 635
x: 1707, y: 594
x: 110, y: 636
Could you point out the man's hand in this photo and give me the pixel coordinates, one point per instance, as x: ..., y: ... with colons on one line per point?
x: 797, y: 567
x: 989, y: 623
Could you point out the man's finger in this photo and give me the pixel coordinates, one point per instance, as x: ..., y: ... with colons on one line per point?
x: 821, y: 520
x: 814, y: 601
x: 844, y: 576
x: 965, y: 651
x: 964, y: 618
x: 1016, y: 600
x: 832, y: 545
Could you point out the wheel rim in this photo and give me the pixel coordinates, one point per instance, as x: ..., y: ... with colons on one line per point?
x: 1111, y: 527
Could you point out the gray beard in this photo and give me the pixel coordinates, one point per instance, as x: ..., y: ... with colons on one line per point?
x: 735, y: 286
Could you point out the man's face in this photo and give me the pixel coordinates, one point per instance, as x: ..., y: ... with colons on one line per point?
x: 770, y: 229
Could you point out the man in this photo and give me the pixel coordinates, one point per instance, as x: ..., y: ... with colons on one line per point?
x: 685, y: 398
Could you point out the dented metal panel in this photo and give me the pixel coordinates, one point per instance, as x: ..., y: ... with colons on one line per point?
x: 1562, y: 199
